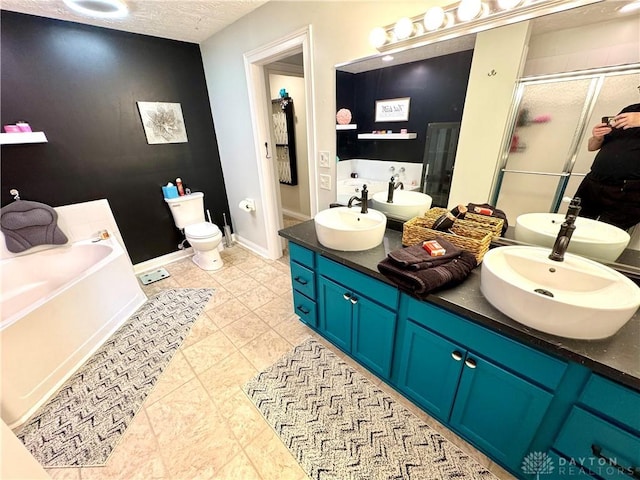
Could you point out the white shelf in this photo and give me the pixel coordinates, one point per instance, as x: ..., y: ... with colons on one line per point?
x: 350, y: 126
x: 22, y: 137
x: 387, y: 136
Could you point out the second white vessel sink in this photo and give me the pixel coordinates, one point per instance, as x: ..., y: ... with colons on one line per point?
x: 406, y: 203
x: 346, y: 229
x: 576, y: 298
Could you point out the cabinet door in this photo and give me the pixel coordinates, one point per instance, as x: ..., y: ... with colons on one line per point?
x: 430, y: 368
x: 373, y: 334
x: 497, y: 410
x: 335, y: 313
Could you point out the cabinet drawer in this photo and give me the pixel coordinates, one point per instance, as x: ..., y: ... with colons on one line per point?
x: 365, y: 285
x: 554, y: 467
x: 615, y: 401
x: 303, y: 280
x: 301, y: 255
x: 588, y: 439
x: 305, y: 309
x: 537, y: 366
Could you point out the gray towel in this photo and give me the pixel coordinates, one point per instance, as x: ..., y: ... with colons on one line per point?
x: 28, y: 224
x: 417, y: 258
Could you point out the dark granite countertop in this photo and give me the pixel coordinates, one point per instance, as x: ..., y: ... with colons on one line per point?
x: 617, y: 358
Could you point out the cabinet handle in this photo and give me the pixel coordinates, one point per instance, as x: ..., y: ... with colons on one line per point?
x: 346, y: 296
x: 303, y: 310
x: 301, y: 281
x: 471, y: 363
x: 457, y: 356
x: 353, y: 300
x: 631, y: 471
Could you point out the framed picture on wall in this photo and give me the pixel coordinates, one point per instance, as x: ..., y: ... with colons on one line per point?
x: 392, y: 110
x: 162, y: 122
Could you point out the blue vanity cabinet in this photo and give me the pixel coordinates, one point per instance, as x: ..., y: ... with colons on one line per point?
x: 358, y: 314
x: 303, y: 281
x: 491, y: 390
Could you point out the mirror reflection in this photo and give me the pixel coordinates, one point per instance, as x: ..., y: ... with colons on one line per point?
x: 570, y: 80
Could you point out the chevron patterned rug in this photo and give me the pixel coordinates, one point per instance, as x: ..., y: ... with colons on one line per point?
x: 82, y: 423
x: 340, y: 426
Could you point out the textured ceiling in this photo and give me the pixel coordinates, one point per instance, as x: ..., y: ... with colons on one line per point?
x: 188, y: 21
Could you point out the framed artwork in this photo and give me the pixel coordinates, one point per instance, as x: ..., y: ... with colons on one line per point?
x: 163, y: 122
x: 392, y: 110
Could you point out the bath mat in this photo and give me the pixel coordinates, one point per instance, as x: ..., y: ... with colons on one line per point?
x: 82, y: 423
x: 340, y: 426
x: 154, y: 276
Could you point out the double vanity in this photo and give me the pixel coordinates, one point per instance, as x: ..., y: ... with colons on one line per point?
x: 508, y: 389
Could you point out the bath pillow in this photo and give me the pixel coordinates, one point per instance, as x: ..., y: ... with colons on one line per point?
x: 27, y: 224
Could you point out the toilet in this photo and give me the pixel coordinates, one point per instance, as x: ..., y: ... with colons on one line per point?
x: 204, y: 237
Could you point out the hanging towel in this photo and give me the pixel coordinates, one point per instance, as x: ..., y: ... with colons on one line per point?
x: 416, y: 258
x: 27, y: 224
x: 422, y: 282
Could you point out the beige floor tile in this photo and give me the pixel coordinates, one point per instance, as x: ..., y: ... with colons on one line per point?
x: 229, y: 273
x: 265, y: 349
x: 272, y: 459
x: 239, y: 468
x: 266, y: 274
x: 245, y: 329
x: 137, y: 456
x: 209, y: 351
x: 156, y: 287
x: 219, y: 297
x: 279, y: 284
x: 176, y: 374
x: 226, y: 378
x: 276, y: 310
x: 202, y: 328
x: 251, y: 264
x: 243, y: 418
x: 257, y: 297
x: 293, y: 330
x: 199, y: 281
x: 242, y: 285
x: 228, y: 312
x: 63, y: 473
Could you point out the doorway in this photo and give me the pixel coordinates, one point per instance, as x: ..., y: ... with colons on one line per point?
x: 258, y: 63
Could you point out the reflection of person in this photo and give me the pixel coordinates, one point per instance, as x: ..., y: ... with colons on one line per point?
x: 611, y: 190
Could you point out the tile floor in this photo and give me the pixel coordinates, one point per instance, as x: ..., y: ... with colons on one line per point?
x: 197, y: 423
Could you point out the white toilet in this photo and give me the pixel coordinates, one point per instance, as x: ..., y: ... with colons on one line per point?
x: 204, y: 237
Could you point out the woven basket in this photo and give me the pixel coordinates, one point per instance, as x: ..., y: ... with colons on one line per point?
x: 483, y: 222
x: 473, y: 240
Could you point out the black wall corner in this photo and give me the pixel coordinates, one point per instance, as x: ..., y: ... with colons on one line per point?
x: 80, y: 84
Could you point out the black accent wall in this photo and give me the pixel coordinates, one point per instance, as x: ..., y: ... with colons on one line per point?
x: 437, y: 88
x: 80, y: 84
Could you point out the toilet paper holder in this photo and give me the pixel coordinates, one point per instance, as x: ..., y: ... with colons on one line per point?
x: 248, y: 205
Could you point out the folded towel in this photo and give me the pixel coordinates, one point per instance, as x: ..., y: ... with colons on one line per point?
x: 416, y: 258
x: 422, y: 282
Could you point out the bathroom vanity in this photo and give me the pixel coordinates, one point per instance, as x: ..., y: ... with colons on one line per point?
x: 509, y: 390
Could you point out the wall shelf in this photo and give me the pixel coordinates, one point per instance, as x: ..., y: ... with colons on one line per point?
x: 387, y: 136
x: 22, y: 137
x: 350, y: 126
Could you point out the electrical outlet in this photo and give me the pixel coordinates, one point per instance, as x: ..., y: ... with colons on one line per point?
x: 325, y: 182
x: 324, y: 159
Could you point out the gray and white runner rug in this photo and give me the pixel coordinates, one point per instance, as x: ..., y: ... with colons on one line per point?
x: 338, y: 425
x: 82, y: 423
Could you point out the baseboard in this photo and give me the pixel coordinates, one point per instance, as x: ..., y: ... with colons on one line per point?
x: 249, y: 245
x: 162, y: 261
x: 296, y: 215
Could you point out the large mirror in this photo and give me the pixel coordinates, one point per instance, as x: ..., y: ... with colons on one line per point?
x: 577, y: 64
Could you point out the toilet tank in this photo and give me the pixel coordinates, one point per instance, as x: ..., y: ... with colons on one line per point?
x: 187, y: 209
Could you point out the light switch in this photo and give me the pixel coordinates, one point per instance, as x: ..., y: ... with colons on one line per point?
x: 325, y: 182
x: 324, y: 159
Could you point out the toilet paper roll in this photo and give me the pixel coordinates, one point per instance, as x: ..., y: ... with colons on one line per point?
x: 247, y: 205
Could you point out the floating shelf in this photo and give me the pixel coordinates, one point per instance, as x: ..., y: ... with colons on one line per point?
x: 22, y: 137
x: 387, y: 136
x: 350, y: 126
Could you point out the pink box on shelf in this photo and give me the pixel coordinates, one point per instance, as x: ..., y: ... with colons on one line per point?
x: 23, y: 127
x: 11, y: 129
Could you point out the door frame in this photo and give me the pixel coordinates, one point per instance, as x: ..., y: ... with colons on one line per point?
x: 255, y: 62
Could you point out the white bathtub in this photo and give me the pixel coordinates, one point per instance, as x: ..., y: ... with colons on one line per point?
x: 58, y: 306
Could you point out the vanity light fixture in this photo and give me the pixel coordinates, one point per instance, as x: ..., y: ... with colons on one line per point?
x: 387, y: 58
x: 99, y: 8
x: 630, y: 7
x: 462, y: 18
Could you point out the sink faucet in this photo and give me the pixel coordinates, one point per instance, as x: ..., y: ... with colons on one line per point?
x: 393, y: 185
x: 364, y: 200
x: 566, y: 230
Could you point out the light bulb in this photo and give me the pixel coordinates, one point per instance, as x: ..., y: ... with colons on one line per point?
x: 469, y: 9
x: 99, y: 8
x: 378, y: 37
x: 434, y: 18
x: 387, y: 58
x: 508, y: 4
x: 404, y: 28
x: 630, y: 7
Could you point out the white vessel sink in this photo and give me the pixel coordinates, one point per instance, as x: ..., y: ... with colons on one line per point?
x: 406, y: 204
x: 591, y: 238
x: 347, y: 229
x: 577, y: 298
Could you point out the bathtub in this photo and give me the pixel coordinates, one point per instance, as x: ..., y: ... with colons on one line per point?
x: 58, y: 306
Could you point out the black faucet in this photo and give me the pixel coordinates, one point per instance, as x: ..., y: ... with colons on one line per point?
x: 392, y: 187
x: 566, y: 230
x: 364, y: 200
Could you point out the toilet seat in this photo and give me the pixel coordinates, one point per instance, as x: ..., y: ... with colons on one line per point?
x: 201, y: 230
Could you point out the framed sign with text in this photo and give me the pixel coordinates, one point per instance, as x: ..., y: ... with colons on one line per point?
x: 392, y: 110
